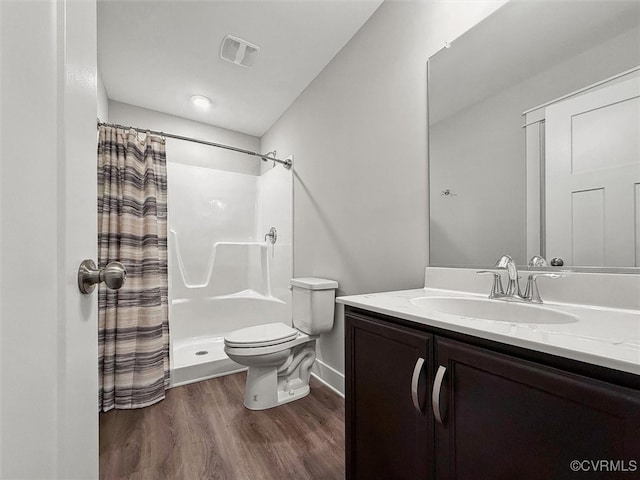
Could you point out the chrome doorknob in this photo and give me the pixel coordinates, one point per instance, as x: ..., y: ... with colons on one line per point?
x: 113, y: 275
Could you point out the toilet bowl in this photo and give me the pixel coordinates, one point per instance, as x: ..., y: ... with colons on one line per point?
x: 280, y: 357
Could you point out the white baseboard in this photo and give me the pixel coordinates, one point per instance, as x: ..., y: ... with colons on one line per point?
x: 331, y: 377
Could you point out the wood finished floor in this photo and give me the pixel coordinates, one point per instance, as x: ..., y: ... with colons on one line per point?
x: 202, y: 431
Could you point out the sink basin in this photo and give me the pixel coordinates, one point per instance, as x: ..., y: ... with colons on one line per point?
x: 497, y: 310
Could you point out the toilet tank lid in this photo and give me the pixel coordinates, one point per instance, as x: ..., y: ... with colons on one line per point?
x: 314, y: 283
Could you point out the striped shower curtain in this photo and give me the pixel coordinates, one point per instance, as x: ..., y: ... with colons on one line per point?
x: 133, y: 326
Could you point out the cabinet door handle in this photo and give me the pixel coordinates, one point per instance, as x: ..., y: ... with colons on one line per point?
x: 417, y: 370
x: 435, y: 396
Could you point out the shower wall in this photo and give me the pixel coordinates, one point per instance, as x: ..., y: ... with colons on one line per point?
x: 222, y: 274
x: 218, y: 256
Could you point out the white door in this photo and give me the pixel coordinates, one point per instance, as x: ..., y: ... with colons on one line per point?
x: 593, y: 177
x: 48, y: 330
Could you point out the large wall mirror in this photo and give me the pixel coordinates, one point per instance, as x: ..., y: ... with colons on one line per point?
x: 534, y: 137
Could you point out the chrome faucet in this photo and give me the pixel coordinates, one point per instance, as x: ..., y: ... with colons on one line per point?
x: 505, y: 262
x: 513, y: 288
x: 513, y: 293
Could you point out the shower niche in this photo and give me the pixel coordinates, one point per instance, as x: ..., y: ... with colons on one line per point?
x: 224, y: 273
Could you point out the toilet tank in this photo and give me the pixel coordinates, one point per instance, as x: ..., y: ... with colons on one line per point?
x: 313, y: 302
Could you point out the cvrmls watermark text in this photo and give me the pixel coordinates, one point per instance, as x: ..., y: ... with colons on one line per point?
x: 604, y: 465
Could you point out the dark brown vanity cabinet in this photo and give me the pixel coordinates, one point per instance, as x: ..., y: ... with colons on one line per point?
x: 507, y: 418
x: 483, y: 414
x: 389, y: 433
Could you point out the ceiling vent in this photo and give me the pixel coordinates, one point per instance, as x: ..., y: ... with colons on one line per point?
x: 238, y: 51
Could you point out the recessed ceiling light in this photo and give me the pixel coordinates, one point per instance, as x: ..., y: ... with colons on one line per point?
x: 201, y: 101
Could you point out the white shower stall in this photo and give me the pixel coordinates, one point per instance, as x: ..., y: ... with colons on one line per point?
x: 224, y: 274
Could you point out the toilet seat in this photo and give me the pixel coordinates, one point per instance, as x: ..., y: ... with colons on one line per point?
x: 261, y: 336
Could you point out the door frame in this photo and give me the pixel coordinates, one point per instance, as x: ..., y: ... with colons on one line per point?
x: 48, y: 330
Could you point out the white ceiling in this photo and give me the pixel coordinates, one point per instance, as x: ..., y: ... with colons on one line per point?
x: 156, y: 54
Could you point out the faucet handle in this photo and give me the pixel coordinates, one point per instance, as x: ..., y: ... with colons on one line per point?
x: 496, y: 288
x: 531, y: 292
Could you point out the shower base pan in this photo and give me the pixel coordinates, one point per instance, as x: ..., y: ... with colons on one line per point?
x: 199, y: 359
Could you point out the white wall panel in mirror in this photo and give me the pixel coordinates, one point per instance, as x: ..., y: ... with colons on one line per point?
x: 525, y: 55
x: 592, y: 152
x: 587, y: 227
x: 595, y: 132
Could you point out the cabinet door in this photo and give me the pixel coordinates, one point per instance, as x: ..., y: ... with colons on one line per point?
x: 504, y: 418
x: 389, y: 427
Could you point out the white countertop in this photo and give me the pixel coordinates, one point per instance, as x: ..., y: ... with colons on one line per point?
x: 608, y: 337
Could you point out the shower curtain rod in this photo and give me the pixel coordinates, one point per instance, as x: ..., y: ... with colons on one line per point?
x: 266, y: 157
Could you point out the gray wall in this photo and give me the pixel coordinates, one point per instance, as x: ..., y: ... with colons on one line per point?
x: 189, y: 153
x: 358, y: 135
x: 478, y: 155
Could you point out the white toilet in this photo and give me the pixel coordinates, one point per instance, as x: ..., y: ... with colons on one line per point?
x: 280, y: 357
